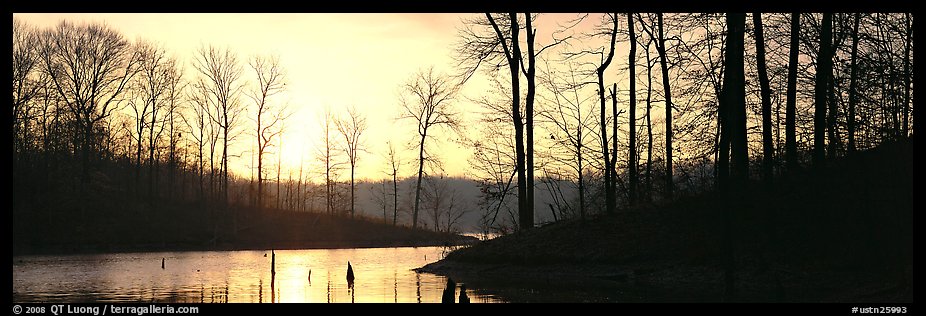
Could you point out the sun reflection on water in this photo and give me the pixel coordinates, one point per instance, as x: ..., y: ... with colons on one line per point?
x: 320, y: 275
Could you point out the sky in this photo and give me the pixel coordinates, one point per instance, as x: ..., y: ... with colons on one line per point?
x: 330, y: 60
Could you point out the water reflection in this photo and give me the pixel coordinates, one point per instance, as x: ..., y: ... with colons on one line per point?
x: 382, y: 275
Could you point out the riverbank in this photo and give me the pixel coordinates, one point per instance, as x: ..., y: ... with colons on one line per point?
x: 169, y: 228
x: 842, y: 234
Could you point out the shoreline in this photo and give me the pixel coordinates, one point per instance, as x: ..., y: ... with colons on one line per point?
x: 72, y: 249
x: 662, y: 282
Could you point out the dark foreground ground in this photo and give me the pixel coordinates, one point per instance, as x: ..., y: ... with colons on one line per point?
x: 842, y: 234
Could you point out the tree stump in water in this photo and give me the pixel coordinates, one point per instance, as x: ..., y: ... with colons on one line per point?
x: 463, y: 298
x: 350, y: 275
x: 449, y: 292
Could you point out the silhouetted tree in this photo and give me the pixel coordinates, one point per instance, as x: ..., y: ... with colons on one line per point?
x: 661, y: 48
x: 352, y: 128
x: 427, y: 98
x: 907, y: 74
x: 477, y: 48
x: 610, y: 202
x: 821, y: 90
x: 89, y: 66
x: 632, y: 74
x: 530, y: 74
x: 791, y: 107
x: 649, y: 106
x: 201, y: 130
x: 853, y: 81
x: 157, y: 79
x: 327, y: 154
x: 222, y: 73
x: 569, y: 120
x: 270, y: 82
x: 767, y: 148
x: 660, y: 43
x: 395, y: 164
x: 176, y: 87
x: 28, y: 81
x: 733, y: 129
x: 494, y: 160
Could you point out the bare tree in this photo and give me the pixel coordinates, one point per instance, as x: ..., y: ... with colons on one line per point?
x: 907, y: 74
x: 767, y: 148
x: 853, y: 77
x: 27, y: 80
x: 570, y: 122
x: 609, y: 170
x: 733, y: 129
x: 821, y: 89
x: 649, y: 105
x: 427, y: 99
x: 222, y: 73
x: 352, y: 128
x: 395, y: 164
x: 89, y: 66
x: 268, y: 116
x: 157, y: 84
x: 493, y: 163
x: 791, y: 106
x: 632, y: 74
x: 443, y: 203
x: 659, y: 39
x: 480, y: 47
x: 198, y: 122
x: 327, y: 153
x: 661, y: 48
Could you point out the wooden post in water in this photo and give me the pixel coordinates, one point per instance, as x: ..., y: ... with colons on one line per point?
x: 273, y: 274
x: 463, y: 298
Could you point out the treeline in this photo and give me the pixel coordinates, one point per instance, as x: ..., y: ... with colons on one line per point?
x: 97, y: 117
x: 645, y: 107
x: 603, y: 111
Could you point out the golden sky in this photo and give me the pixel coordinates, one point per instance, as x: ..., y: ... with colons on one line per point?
x: 335, y: 60
x: 330, y: 60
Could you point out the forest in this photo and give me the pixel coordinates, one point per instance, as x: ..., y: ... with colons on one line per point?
x: 634, y: 109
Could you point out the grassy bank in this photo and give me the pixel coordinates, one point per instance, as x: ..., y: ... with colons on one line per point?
x: 841, y: 234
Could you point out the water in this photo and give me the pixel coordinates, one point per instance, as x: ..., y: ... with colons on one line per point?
x: 382, y: 275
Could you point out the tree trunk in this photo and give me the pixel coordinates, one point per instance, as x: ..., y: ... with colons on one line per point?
x: 735, y: 127
x: 610, y: 202
x: 906, y: 73
x: 791, y: 107
x: 418, y: 185
x: 824, y: 68
x: 525, y: 215
x: 529, y: 109
x: 613, y: 163
x: 395, y: 199
x: 649, y: 128
x: 736, y: 102
x: 260, y: 160
x: 631, y: 64
x: 853, y: 83
x: 767, y: 147
x: 661, y: 48
x: 352, y: 190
